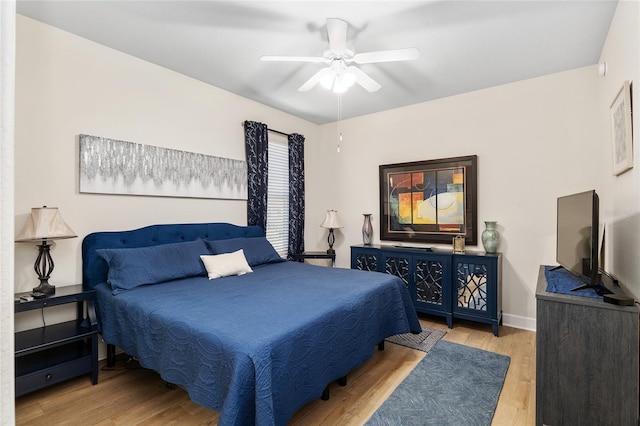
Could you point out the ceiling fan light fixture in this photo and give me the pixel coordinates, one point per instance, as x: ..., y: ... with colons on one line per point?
x: 328, y: 79
x: 348, y: 77
x: 343, y: 82
x: 339, y: 75
x: 339, y: 87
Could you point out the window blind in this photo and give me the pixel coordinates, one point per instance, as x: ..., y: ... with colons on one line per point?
x: 278, y: 194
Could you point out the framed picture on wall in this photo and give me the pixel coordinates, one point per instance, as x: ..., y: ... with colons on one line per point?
x: 110, y: 166
x: 621, y: 132
x: 429, y: 201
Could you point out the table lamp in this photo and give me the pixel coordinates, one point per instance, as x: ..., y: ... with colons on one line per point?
x: 44, y: 224
x: 331, y: 221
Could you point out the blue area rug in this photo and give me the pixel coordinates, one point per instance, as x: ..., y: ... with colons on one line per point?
x: 452, y: 385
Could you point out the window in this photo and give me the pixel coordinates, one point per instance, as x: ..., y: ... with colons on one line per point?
x: 278, y: 194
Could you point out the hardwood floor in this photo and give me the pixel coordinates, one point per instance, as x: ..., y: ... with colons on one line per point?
x: 127, y: 396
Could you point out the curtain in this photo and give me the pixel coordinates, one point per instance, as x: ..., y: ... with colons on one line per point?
x: 256, y: 147
x: 296, y: 194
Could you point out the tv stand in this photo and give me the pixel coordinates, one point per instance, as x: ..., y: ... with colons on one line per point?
x: 587, y: 360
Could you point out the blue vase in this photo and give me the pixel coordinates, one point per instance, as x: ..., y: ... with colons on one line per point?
x: 490, y: 237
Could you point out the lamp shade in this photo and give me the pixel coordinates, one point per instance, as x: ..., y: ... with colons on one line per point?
x: 331, y: 220
x: 45, y: 223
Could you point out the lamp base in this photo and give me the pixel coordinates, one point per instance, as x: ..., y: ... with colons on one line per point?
x: 44, y: 267
x: 330, y: 240
x: 45, y: 288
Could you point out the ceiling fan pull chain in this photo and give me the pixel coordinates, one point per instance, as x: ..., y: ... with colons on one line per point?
x: 339, y: 120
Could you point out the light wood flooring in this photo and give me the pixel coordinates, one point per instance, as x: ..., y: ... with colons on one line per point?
x: 140, y: 397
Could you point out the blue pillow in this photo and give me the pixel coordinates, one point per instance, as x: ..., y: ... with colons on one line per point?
x: 133, y: 267
x: 257, y: 250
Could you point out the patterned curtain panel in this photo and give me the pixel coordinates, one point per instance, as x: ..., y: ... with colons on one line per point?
x: 296, y: 194
x: 256, y: 144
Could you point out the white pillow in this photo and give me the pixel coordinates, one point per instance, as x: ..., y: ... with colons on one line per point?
x: 226, y: 264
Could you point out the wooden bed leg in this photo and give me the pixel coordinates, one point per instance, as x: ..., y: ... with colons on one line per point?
x: 381, y: 346
x: 111, y: 355
x: 342, y: 381
x: 325, y: 394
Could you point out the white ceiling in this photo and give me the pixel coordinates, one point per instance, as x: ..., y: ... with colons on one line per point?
x: 464, y: 45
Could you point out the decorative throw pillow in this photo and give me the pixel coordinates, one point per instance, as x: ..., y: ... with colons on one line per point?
x: 133, y: 267
x: 257, y: 250
x: 226, y: 264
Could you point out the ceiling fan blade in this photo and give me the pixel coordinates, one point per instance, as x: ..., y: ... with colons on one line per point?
x: 407, y: 54
x: 267, y: 58
x: 315, y: 79
x: 337, y: 34
x: 369, y: 84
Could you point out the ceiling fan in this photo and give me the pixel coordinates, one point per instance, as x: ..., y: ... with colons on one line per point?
x: 339, y: 74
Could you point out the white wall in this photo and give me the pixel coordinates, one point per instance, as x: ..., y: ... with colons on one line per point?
x: 535, y: 140
x: 620, y: 209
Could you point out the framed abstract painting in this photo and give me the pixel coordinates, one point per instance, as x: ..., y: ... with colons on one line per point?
x: 429, y: 201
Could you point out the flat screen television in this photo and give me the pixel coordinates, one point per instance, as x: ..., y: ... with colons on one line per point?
x: 577, y: 245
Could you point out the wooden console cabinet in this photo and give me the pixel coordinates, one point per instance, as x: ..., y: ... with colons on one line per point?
x: 441, y: 283
x: 586, y: 360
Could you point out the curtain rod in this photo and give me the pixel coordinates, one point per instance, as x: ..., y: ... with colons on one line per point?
x: 278, y: 132
x: 274, y: 131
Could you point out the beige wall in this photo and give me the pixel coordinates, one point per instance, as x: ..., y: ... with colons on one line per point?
x: 535, y: 139
x: 67, y: 85
x: 7, y: 88
x: 620, y: 209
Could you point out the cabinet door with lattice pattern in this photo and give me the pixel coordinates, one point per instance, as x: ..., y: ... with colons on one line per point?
x: 476, y: 288
x: 471, y: 285
x: 432, y: 278
x: 398, y: 264
x: 365, y: 258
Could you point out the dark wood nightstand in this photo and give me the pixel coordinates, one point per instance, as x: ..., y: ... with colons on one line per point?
x: 300, y: 257
x: 57, y: 352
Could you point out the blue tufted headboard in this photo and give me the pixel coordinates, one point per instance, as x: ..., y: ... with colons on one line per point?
x: 94, y: 268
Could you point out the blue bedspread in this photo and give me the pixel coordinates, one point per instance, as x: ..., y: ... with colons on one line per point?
x: 259, y: 346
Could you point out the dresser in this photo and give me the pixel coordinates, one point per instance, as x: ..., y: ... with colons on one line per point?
x: 466, y: 286
x: 586, y: 360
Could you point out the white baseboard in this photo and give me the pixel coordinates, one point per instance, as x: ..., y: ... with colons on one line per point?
x: 518, y: 321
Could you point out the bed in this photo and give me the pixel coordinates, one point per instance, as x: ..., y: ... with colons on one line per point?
x: 255, y: 346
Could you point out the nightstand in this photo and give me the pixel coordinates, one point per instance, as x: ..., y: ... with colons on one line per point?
x: 57, y: 352
x: 300, y: 257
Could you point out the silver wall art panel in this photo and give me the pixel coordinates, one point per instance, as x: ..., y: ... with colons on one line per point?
x: 109, y: 166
